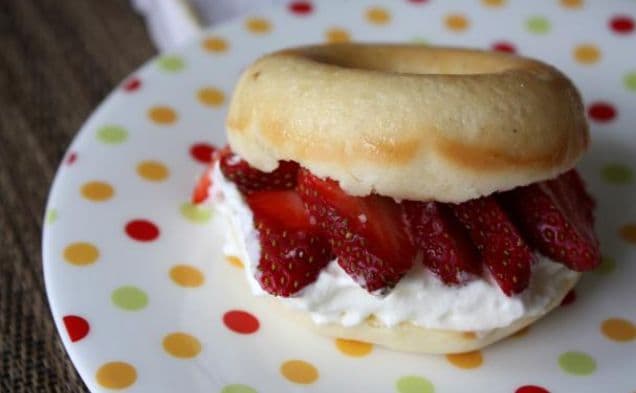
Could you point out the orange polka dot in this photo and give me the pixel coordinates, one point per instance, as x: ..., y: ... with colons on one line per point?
x: 493, y: 3
x: 299, y: 371
x: 618, y: 329
x: 187, y: 276
x: 234, y: 261
x: 215, y: 44
x: 456, y: 22
x: 353, y: 348
x: 162, y: 115
x: 469, y: 335
x: 587, y: 54
x: 466, y: 360
x: 258, y: 25
x: 378, y: 15
x: 152, y: 170
x: 97, y: 191
x: 211, y: 96
x: 181, y: 345
x: 336, y: 34
x: 628, y: 233
x: 81, y: 254
x: 521, y: 333
x: 572, y: 3
x: 116, y: 375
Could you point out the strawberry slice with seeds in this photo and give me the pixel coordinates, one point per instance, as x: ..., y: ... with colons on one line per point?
x: 367, y: 234
x: 500, y: 244
x: 293, y: 252
x: 249, y: 179
x: 447, y: 248
x: 556, y: 217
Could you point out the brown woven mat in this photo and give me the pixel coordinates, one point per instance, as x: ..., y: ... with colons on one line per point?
x: 58, y: 59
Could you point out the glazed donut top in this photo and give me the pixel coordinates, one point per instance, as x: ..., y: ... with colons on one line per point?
x: 409, y: 121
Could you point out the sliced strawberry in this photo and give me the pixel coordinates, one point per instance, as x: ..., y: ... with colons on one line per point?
x: 367, y: 234
x: 249, y: 179
x: 292, y: 250
x: 502, y: 248
x: 445, y: 243
x: 200, y: 192
x: 556, y: 218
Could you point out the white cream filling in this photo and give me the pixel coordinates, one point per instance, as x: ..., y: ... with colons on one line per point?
x: 419, y: 297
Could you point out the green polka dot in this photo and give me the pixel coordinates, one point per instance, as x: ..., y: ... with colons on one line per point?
x: 129, y: 298
x: 577, y: 363
x: 171, y: 63
x: 112, y: 135
x: 420, y: 40
x: 617, y: 174
x: 51, y: 216
x: 630, y: 81
x: 608, y: 264
x: 413, y: 384
x: 195, y: 213
x: 238, y: 388
x: 538, y: 25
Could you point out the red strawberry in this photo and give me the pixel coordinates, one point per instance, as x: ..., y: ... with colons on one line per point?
x: 556, y: 217
x: 200, y: 192
x: 292, y: 250
x: 367, y: 234
x: 447, y: 248
x: 249, y: 179
x: 502, y: 248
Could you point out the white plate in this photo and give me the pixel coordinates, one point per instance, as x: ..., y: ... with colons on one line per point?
x: 147, y: 333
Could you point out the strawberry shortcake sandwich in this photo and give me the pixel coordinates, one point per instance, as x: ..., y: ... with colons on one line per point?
x: 420, y: 198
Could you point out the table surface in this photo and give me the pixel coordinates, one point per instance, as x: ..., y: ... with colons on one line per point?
x: 58, y: 60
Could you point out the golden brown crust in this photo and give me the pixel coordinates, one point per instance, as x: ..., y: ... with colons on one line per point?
x: 410, y: 122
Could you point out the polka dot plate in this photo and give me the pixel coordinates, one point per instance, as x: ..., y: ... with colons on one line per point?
x: 144, y: 300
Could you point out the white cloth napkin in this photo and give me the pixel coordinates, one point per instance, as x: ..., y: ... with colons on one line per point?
x: 171, y: 22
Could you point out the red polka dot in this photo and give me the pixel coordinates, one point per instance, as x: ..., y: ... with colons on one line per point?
x: 142, y: 230
x: 241, y: 322
x: 76, y: 327
x: 418, y: 1
x: 622, y: 24
x: 202, y: 152
x: 569, y: 298
x: 601, y: 112
x: 301, y: 7
x: 71, y: 158
x: 504, y: 46
x: 132, y: 84
x: 531, y: 389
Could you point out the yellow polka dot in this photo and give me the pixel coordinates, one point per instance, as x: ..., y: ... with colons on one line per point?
x: 152, y: 170
x: 187, y: 276
x: 211, y: 96
x: 97, y: 191
x: 572, y: 3
x: 378, y: 15
x: 587, y: 54
x: 618, y: 329
x: 456, y: 22
x: 628, y: 233
x: 336, y: 34
x: 162, y: 115
x: 354, y: 348
x: 116, y: 375
x: 181, y: 345
x: 299, y: 371
x: 466, y: 360
x: 215, y: 44
x: 81, y: 254
x: 493, y: 3
x: 521, y: 333
x: 258, y: 25
x: 234, y: 261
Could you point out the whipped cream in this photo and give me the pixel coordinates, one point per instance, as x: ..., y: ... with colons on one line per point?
x: 419, y: 297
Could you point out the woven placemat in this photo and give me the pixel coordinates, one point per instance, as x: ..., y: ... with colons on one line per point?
x: 58, y: 59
